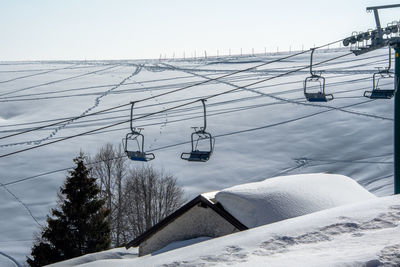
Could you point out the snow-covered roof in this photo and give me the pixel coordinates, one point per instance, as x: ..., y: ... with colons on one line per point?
x: 210, y: 196
x: 284, y: 197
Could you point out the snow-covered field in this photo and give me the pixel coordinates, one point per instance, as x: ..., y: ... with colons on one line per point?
x: 261, y: 131
x: 362, y: 234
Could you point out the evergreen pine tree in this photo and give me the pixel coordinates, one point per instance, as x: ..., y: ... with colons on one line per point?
x: 79, y: 223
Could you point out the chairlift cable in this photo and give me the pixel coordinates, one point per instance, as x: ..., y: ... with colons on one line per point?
x: 163, y: 87
x: 241, y: 109
x: 60, y: 80
x: 51, y: 172
x: 170, y: 92
x: 219, y: 103
x: 161, y: 111
x: 36, y: 74
x: 9, y: 99
x: 187, y: 142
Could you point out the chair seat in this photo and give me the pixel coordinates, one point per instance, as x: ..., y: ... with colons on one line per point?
x: 318, y: 97
x: 199, y: 156
x: 379, y: 94
x: 139, y: 156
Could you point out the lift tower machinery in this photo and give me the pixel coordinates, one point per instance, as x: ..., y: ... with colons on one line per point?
x: 374, y: 39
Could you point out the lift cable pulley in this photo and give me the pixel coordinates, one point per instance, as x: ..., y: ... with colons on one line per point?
x: 363, y: 42
x: 135, y: 139
x: 315, y: 81
x: 200, y: 138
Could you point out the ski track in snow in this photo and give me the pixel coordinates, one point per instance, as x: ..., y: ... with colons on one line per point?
x: 164, y: 124
x: 10, y: 258
x: 21, y: 202
x: 96, y: 104
x: 389, y: 256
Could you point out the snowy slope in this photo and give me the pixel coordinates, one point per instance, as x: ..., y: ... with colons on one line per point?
x: 362, y: 234
x: 264, y: 130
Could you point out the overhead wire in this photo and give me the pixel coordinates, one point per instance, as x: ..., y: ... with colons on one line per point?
x: 169, y: 92
x: 238, y: 132
x: 35, y: 74
x: 77, y: 66
x: 226, y: 111
x: 165, y: 110
x: 296, y: 102
x: 158, y: 88
x: 4, y: 185
x: 96, y: 103
x: 181, y: 100
x: 85, y: 88
x: 278, y: 93
x: 19, y: 97
x: 187, y: 142
x: 115, y: 124
x: 56, y: 81
x: 356, y: 113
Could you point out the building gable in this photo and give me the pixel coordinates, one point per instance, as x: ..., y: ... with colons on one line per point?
x: 198, y: 217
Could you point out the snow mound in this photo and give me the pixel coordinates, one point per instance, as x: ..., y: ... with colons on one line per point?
x: 181, y: 244
x: 116, y: 253
x: 285, y: 197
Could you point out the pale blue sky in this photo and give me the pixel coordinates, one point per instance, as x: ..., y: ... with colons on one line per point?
x: 131, y: 29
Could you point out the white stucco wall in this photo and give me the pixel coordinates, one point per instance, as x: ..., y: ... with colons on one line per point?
x: 196, y: 222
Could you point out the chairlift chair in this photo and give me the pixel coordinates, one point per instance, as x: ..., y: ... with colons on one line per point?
x: 377, y: 91
x: 135, y: 139
x: 200, y: 136
x: 196, y: 154
x: 317, y: 81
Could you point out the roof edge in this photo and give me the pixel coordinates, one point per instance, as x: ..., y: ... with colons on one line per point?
x: 170, y: 218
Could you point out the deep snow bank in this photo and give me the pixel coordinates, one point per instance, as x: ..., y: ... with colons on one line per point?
x: 115, y: 253
x: 284, y: 197
x: 181, y: 244
x: 361, y: 234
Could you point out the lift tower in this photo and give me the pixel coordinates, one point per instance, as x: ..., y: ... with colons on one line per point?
x: 375, y: 39
x: 396, y: 45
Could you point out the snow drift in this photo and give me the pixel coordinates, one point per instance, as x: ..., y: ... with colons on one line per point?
x: 284, y: 197
x: 115, y: 253
x: 360, y: 234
